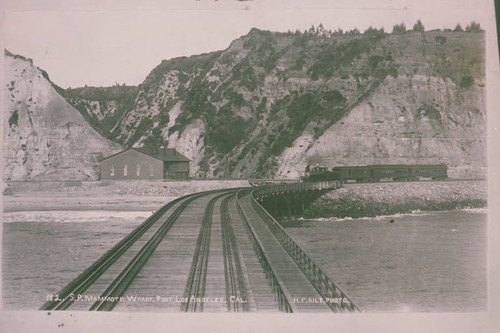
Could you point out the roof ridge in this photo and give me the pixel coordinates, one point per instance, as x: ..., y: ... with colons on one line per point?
x: 163, y: 154
x: 166, y: 157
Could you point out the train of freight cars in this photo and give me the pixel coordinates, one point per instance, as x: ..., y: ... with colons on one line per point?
x: 375, y: 173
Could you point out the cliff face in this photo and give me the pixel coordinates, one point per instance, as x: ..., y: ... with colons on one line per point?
x: 44, y: 137
x: 271, y: 103
x: 405, y: 121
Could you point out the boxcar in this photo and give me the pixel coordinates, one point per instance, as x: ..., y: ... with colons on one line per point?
x: 357, y: 173
x: 434, y: 171
x: 394, y: 172
x: 374, y: 173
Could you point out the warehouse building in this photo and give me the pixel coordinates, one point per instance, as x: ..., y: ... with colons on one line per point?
x: 141, y: 163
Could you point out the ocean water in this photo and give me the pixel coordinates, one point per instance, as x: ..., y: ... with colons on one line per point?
x: 43, y: 251
x: 423, y: 262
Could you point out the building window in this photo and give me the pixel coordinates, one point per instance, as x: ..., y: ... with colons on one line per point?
x: 137, y: 170
x: 150, y: 170
x: 112, y: 171
x: 125, y: 170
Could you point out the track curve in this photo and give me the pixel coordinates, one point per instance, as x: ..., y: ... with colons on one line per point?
x: 214, y: 251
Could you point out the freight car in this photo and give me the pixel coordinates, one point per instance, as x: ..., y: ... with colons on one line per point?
x: 320, y: 173
x: 375, y: 173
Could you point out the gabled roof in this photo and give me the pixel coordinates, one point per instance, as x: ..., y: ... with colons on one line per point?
x: 162, y: 154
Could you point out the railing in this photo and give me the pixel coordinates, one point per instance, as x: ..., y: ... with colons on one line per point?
x: 281, y: 188
x: 280, y: 291
x: 333, y: 296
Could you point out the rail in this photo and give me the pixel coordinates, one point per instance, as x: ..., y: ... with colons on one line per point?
x: 333, y: 296
x: 112, y: 294
x: 280, y: 290
x: 86, y: 278
x: 232, y: 265
x: 195, y: 286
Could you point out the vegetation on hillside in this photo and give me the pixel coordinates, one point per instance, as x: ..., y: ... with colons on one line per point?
x: 102, y: 107
x: 260, y: 94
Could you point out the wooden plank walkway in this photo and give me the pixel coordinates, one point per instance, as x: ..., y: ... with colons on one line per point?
x: 166, y: 272
x: 215, y: 251
x: 215, y: 289
x: 285, y: 268
x: 100, y: 285
x: 260, y: 292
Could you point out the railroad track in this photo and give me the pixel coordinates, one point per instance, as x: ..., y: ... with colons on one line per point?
x: 195, y: 287
x: 235, y: 276
x: 66, y: 296
x: 69, y: 294
x: 209, y: 251
x: 416, y: 181
x: 112, y: 294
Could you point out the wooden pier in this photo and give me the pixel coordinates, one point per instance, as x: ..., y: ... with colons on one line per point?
x: 215, y: 251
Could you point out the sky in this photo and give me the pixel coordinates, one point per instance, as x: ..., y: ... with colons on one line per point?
x: 106, y: 42
x: 103, y: 42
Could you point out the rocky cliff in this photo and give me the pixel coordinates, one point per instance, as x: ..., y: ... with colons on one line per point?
x: 271, y: 103
x: 44, y: 137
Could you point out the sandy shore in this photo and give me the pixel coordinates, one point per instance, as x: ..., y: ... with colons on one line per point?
x: 364, y: 200
x: 102, y: 195
x: 96, y: 201
x: 353, y: 200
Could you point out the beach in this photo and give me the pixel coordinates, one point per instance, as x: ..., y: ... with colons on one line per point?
x: 375, y: 199
x: 103, y: 195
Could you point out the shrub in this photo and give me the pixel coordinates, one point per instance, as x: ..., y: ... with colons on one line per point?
x: 440, y: 39
x: 429, y: 111
x: 333, y: 96
x: 13, y: 119
x: 393, y: 71
x: 299, y: 63
x: 354, y: 31
x: 300, y: 41
x: 244, y: 72
x: 466, y: 82
x: 399, y: 28
x: 458, y: 28
x: 473, y: 27
x: 373, y: 61
x: 379, y: 33
x: 418, y: 26
x: 196, y: 101
x: 333, y: 57
x: 225, y: 130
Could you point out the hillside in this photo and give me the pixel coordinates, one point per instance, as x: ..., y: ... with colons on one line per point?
x: 44, y: 137
x: 102, y: 106
x: 271, y: 103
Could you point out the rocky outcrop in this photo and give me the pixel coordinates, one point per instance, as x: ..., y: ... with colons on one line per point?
x: 355, y: 200
x: 44, y: 137
x: 405, y: 121
x: 272, y: 103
